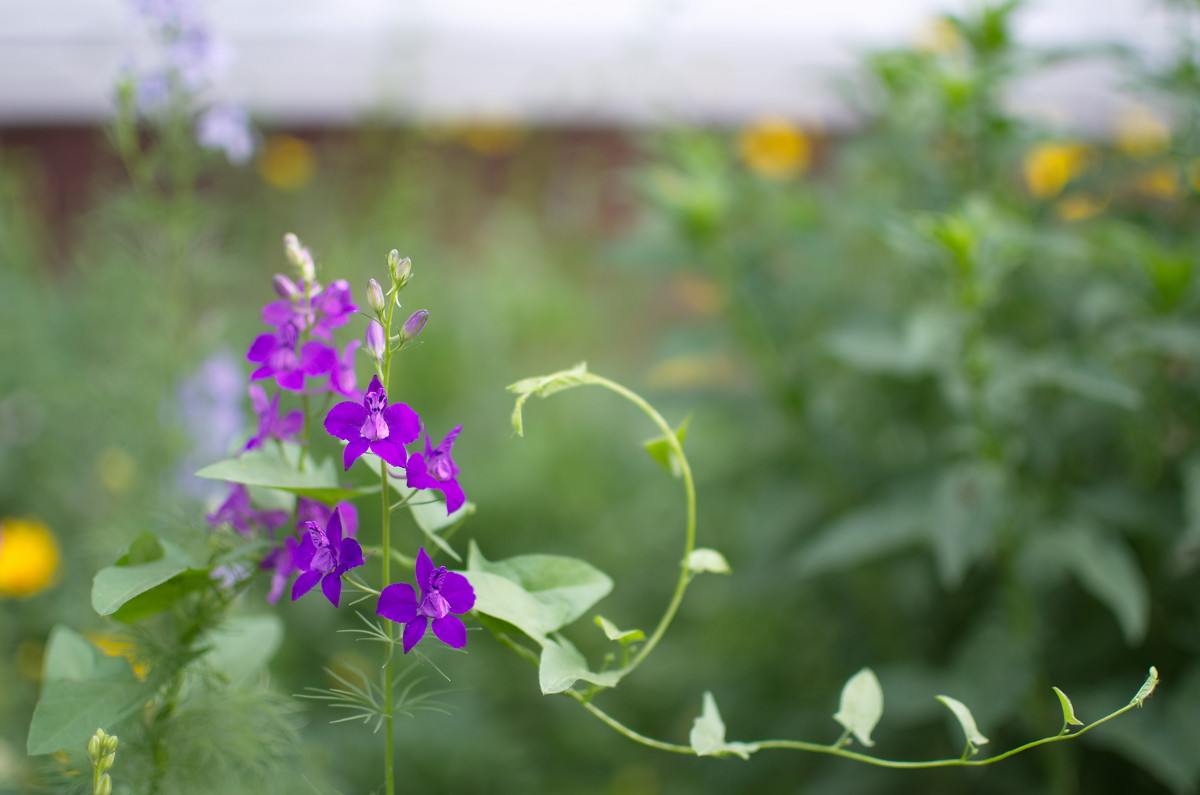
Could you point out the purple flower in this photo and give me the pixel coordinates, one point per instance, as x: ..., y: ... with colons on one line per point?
x: 236, y: 510
x: 226, y: 128
x: 324, y: 555
x: 442, y: 594
x: 414, y: 325
x: 270, y: 424
x: 436, y: 470
x: 374, y: 425
x: 277, y: 355
x: 208, y: 405
x: 376, y: 340
x: 317, y: 311
x: 312, y: 511
x: 279, y: 562
x: 342, y: 378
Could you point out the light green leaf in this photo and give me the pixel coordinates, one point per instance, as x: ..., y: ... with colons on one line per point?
x: 623, y: 636
x: 504, y: 599
x: 1147, y: 688
x: 1068, y: 709
x: 150, y: 562
x: 162, y: 597
x: 1105, y: 567
x: 79, y: 693
x: 561, y: 589
x: 544, y: 386
x: 271, y: 467
x: 965, y: 719
x: 927, y: 343
x: 429, y: 513
x: 703, y: 559
x: 861, y: 706
x: 707, y: 737
x: 562, y: 666
x: 662, y: 451
x: 968, y: 503
x: 241, y: 647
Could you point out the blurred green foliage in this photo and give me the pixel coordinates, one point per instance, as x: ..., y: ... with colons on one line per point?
x: 943, y: 420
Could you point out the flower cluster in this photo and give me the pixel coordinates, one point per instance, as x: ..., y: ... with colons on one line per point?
x: 300, y: 356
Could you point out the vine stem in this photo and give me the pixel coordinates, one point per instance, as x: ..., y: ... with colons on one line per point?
x: 689, y: 488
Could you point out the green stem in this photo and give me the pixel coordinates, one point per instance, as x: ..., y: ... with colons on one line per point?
x: 689, y: 489
x: 388, y: 678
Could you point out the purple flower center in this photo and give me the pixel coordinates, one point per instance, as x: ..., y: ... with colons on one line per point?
x: 433, y: 604
x: 441, y: 465
x: 283, y: 359
x: 323, y: 559
x: 375, y: 427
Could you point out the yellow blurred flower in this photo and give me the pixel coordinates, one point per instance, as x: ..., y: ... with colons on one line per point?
x: 116, y: 470
x: 1080, y: 206
x: 1141, y: 132
x: 773, y: 147
x: 1160, y: 182
x: 1049, y: 167
x: 28, y: 557
x: 494, y: 138
x: 114, y: 644
x: 940, y: 35
x: 287, y: 162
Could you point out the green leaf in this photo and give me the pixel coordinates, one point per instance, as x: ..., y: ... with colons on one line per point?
x: 557, y: 590
x: 241, y: 647
x: 864, y: 535
x: 150, y: 562
x: 430, y: 515
x: 703, y: 559
x: 1147, y: 688
x: 861, y: 706
x: 162, y: 597
x: 544, y: 386
x: 927, y: 344
x: 80, y: 692
x: 562, y: 665
x: 279, y: 469
x: 707, y: 737
x: 662, y: 450
x: 1068, y: 708
x: 623, y: 636
x: 968, y: 504
x: 1105, y: 567
x: 965, y: 719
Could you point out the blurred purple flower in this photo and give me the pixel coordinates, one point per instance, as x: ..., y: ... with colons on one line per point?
x: 279, y: 562
x: 225, y: 127
x: 270, y: 424
x: 229, y: 575
x: 374, y: 425
x: 318, y: 313
x: 324, y: 555
x: 168, y: 14
x: 376, y: 340
x: 277, y: 355
x: 237, y: 511
x: 443, y: 593
x: 308, y: 510
x: 436, y: 470
x: 208, y: 407
x: 342, y: 378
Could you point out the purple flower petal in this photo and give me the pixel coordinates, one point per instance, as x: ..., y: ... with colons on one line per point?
x: 265, y: 371
x: 424, y: 568
x: 351, y: 556
x: 413, y: 632
x: 403, y: 423
x: 353, y: 451
x: 389, y: 450
x: 457, y: 590
x: 333, y: 531
x: 398, y: 602
x: 277, y: 313
x: 331, y: 586
x: 262, y: 348
x: 291, y: 424
x: 317, y: 358
x: 291, y: 380
x: 302, y: 555
x: 416, y: 476
x: 453, y: 493
x: 449, y: 630
x: 344, y: 421
x: 304, y: 583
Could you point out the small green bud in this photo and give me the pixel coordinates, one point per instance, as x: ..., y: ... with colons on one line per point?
x: 300, y: 258
x: 95, y: 745
x: 375, y: 297
x: 106, y: 762
x: 393, y: 262
x: 402, y: 273
x: 104, y: 785
x: 110, y: 744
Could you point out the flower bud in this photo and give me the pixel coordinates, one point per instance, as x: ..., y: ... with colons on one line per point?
x: 375, y: 296
x: 402, y: 273
x: 106, y: 762
x: 104, y: 785
x: 110, y: 744
x: 95, y: 745
x: 414, y: 325
x: 393, y: 263
x: 285, y: 287
x: 376, y: 340
x: 300, y: 257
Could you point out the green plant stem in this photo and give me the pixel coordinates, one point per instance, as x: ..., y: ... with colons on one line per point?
x: 388, y: 678
x: 689, y: 489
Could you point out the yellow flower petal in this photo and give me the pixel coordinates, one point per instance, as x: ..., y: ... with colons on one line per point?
x: 774, y: 148
x: 287, y: 162
x: 1049, y: 167
x: 1141, y: 132
x: 28, y: 557
x: 1080, y: 206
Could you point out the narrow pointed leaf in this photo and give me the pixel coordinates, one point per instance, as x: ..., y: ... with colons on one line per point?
x: 707, y: 737
x: 965, y: 719
x: 621, y: 635
x: 662, y: 450
x: 1068, y: 708
x: 562, y: 665
x: 1147, y: 687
